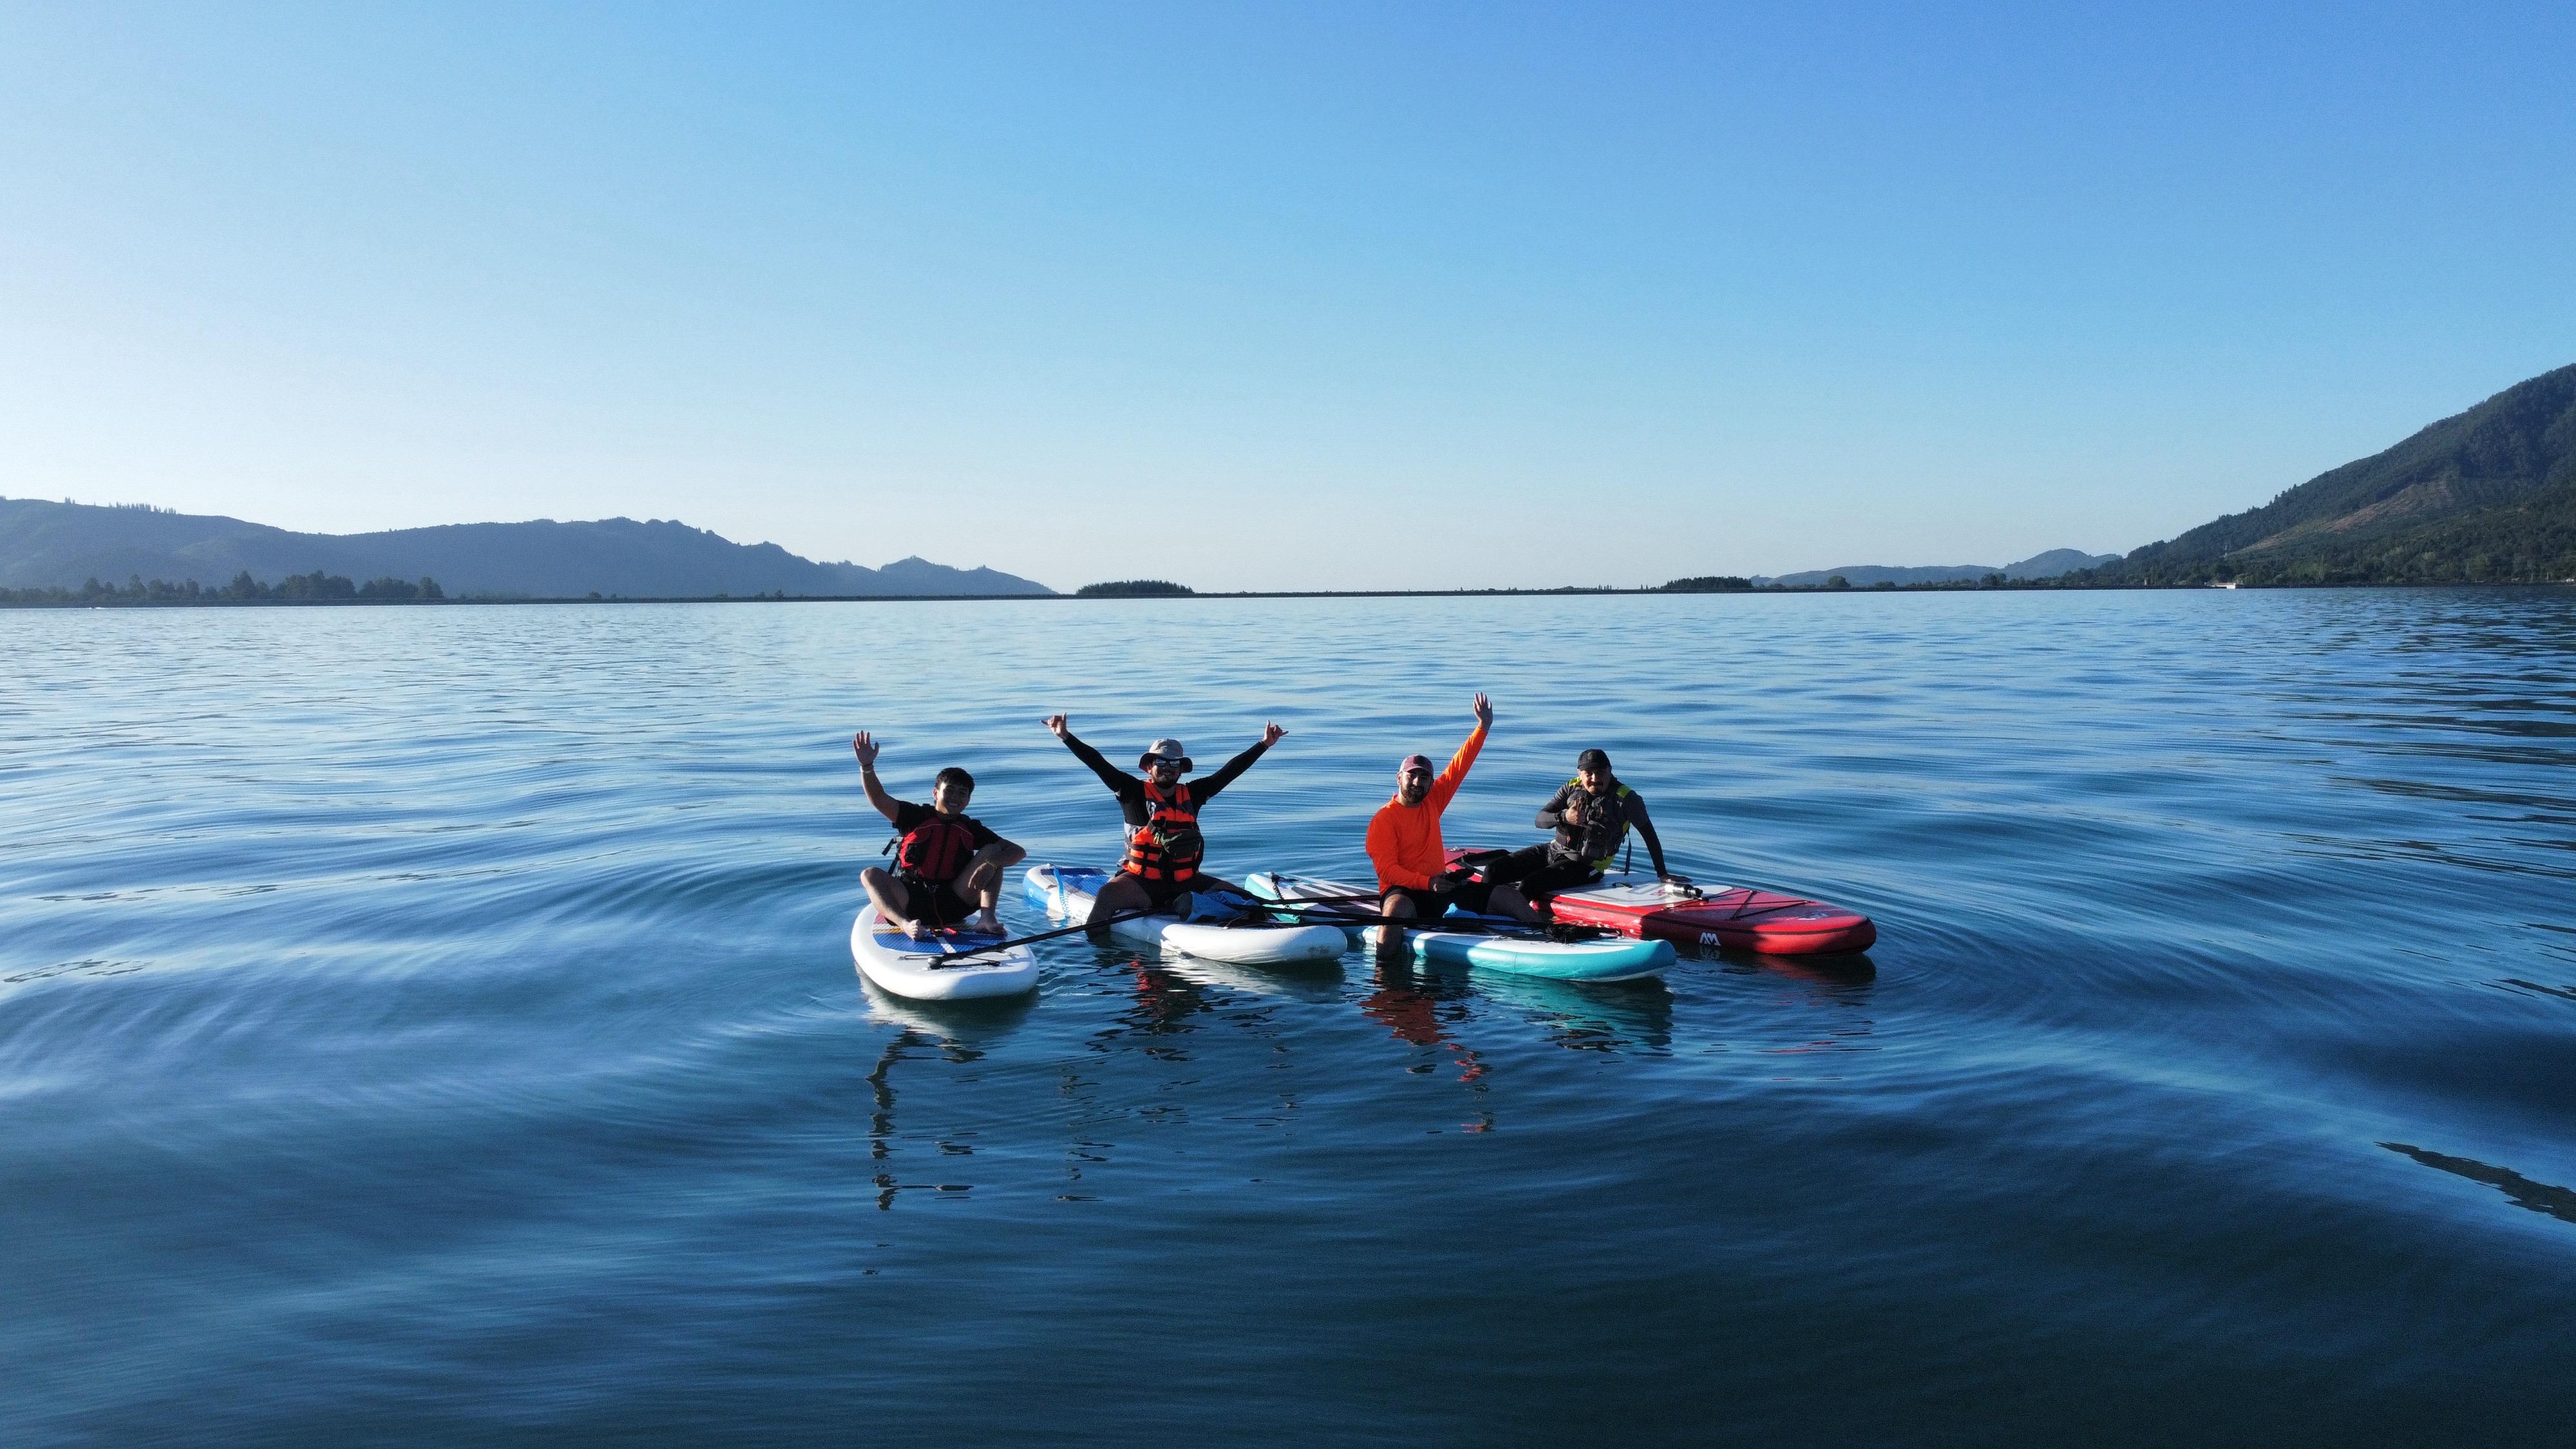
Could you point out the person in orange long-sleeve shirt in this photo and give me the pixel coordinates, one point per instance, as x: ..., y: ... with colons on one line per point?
x: 1413, y: 875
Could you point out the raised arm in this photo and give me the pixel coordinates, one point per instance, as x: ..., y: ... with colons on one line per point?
x: 866, y: 750
x: 1445, y: 788
x: 1224, y: 775
x: 1120, y: 783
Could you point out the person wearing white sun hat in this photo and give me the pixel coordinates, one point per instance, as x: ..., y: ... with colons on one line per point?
x: 1164, y: 846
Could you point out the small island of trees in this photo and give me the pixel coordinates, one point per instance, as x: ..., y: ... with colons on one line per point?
x: 1133, y: 589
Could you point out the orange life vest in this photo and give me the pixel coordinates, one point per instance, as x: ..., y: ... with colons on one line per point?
x: 1168, y: 845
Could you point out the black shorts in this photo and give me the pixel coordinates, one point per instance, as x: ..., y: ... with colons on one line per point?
x: 1161, y: 892
x: 935, y: 903
x: 1428, y: 904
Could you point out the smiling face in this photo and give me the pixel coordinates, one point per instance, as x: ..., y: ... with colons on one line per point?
x: 949, y: 798
x: 1165, y: 774
x: 1595, y: 778
x: 1413, y: 783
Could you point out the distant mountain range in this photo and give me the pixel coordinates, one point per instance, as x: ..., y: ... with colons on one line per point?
x: 2488, y: 496
x: 62, y: 545
x: 2047, y: 565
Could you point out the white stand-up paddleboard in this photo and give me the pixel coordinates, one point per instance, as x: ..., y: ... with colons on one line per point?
x: 913, y: 968
x: 1495, y: 942
x: 1220, y: 927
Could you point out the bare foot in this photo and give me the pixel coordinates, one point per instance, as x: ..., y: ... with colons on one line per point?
x: 989, y: 924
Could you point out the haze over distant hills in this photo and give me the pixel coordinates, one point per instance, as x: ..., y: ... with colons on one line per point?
x: 61, y: 545
x: 2488, y: 496
x: 2047, y: 565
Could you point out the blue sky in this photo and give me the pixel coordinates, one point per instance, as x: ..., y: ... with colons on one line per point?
x: 1272, y: 296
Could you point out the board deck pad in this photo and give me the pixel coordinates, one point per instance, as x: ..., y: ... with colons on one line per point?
x: 1739, y: 917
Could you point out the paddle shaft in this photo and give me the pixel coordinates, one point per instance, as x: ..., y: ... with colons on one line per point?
x: 954, y: 957
x: 1419, y: 923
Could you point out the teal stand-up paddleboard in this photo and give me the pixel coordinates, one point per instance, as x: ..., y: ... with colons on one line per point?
x: 1494, y: 943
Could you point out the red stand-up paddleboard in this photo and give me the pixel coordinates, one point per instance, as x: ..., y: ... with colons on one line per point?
x: 1745, y: 919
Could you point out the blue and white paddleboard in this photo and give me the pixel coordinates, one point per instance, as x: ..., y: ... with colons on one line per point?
x: 1221, y: 926
x: 1496, y: 943
x: 920, y: 969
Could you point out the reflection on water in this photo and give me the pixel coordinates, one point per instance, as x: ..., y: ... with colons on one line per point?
x: 957, y: 1033
x: 2522, y: 1192
x: 1409, y: 1002
x: 1845, y: 979
x: 1837, y: 987
x: 881, y: 1127
x: 1164, y: 1001
x: 1634, y: 1017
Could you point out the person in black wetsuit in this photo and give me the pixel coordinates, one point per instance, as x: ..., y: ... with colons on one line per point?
x: 1164, y: 847
x: 947, y: 865
x: 1590, y: 816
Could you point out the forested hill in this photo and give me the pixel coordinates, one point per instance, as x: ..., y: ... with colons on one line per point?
x: 62, y: 545
x: 2487, y: 496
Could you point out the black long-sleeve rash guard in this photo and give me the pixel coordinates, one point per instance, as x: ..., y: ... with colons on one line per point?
x: 1632, y: 807
x: 1131, y: 791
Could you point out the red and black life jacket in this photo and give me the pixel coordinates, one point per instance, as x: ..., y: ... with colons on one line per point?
x: 934, y: 851
x: 1168, y: 845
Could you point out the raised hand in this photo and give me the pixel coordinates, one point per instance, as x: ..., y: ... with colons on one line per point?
x: 1270, y: 733
x: 1056, y: 722
x: 1484, y: 710
x: 865, y: 749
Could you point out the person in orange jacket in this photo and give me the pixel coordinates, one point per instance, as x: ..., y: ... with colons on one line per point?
x: 1414, y: 880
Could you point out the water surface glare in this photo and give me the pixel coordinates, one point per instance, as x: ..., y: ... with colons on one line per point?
x: 425, y: 1026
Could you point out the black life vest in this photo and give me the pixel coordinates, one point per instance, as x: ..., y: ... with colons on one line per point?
x: 1605, y: 823
x: 1168, y: 845
x: 934, y: 851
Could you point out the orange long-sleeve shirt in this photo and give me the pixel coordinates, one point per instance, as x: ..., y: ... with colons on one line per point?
x: 1404, y: 840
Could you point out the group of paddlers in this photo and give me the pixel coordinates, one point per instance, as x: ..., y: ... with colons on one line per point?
x: 948, y: 866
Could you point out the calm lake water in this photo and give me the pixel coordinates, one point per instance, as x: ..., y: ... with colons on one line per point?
x: 431, y: 1026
